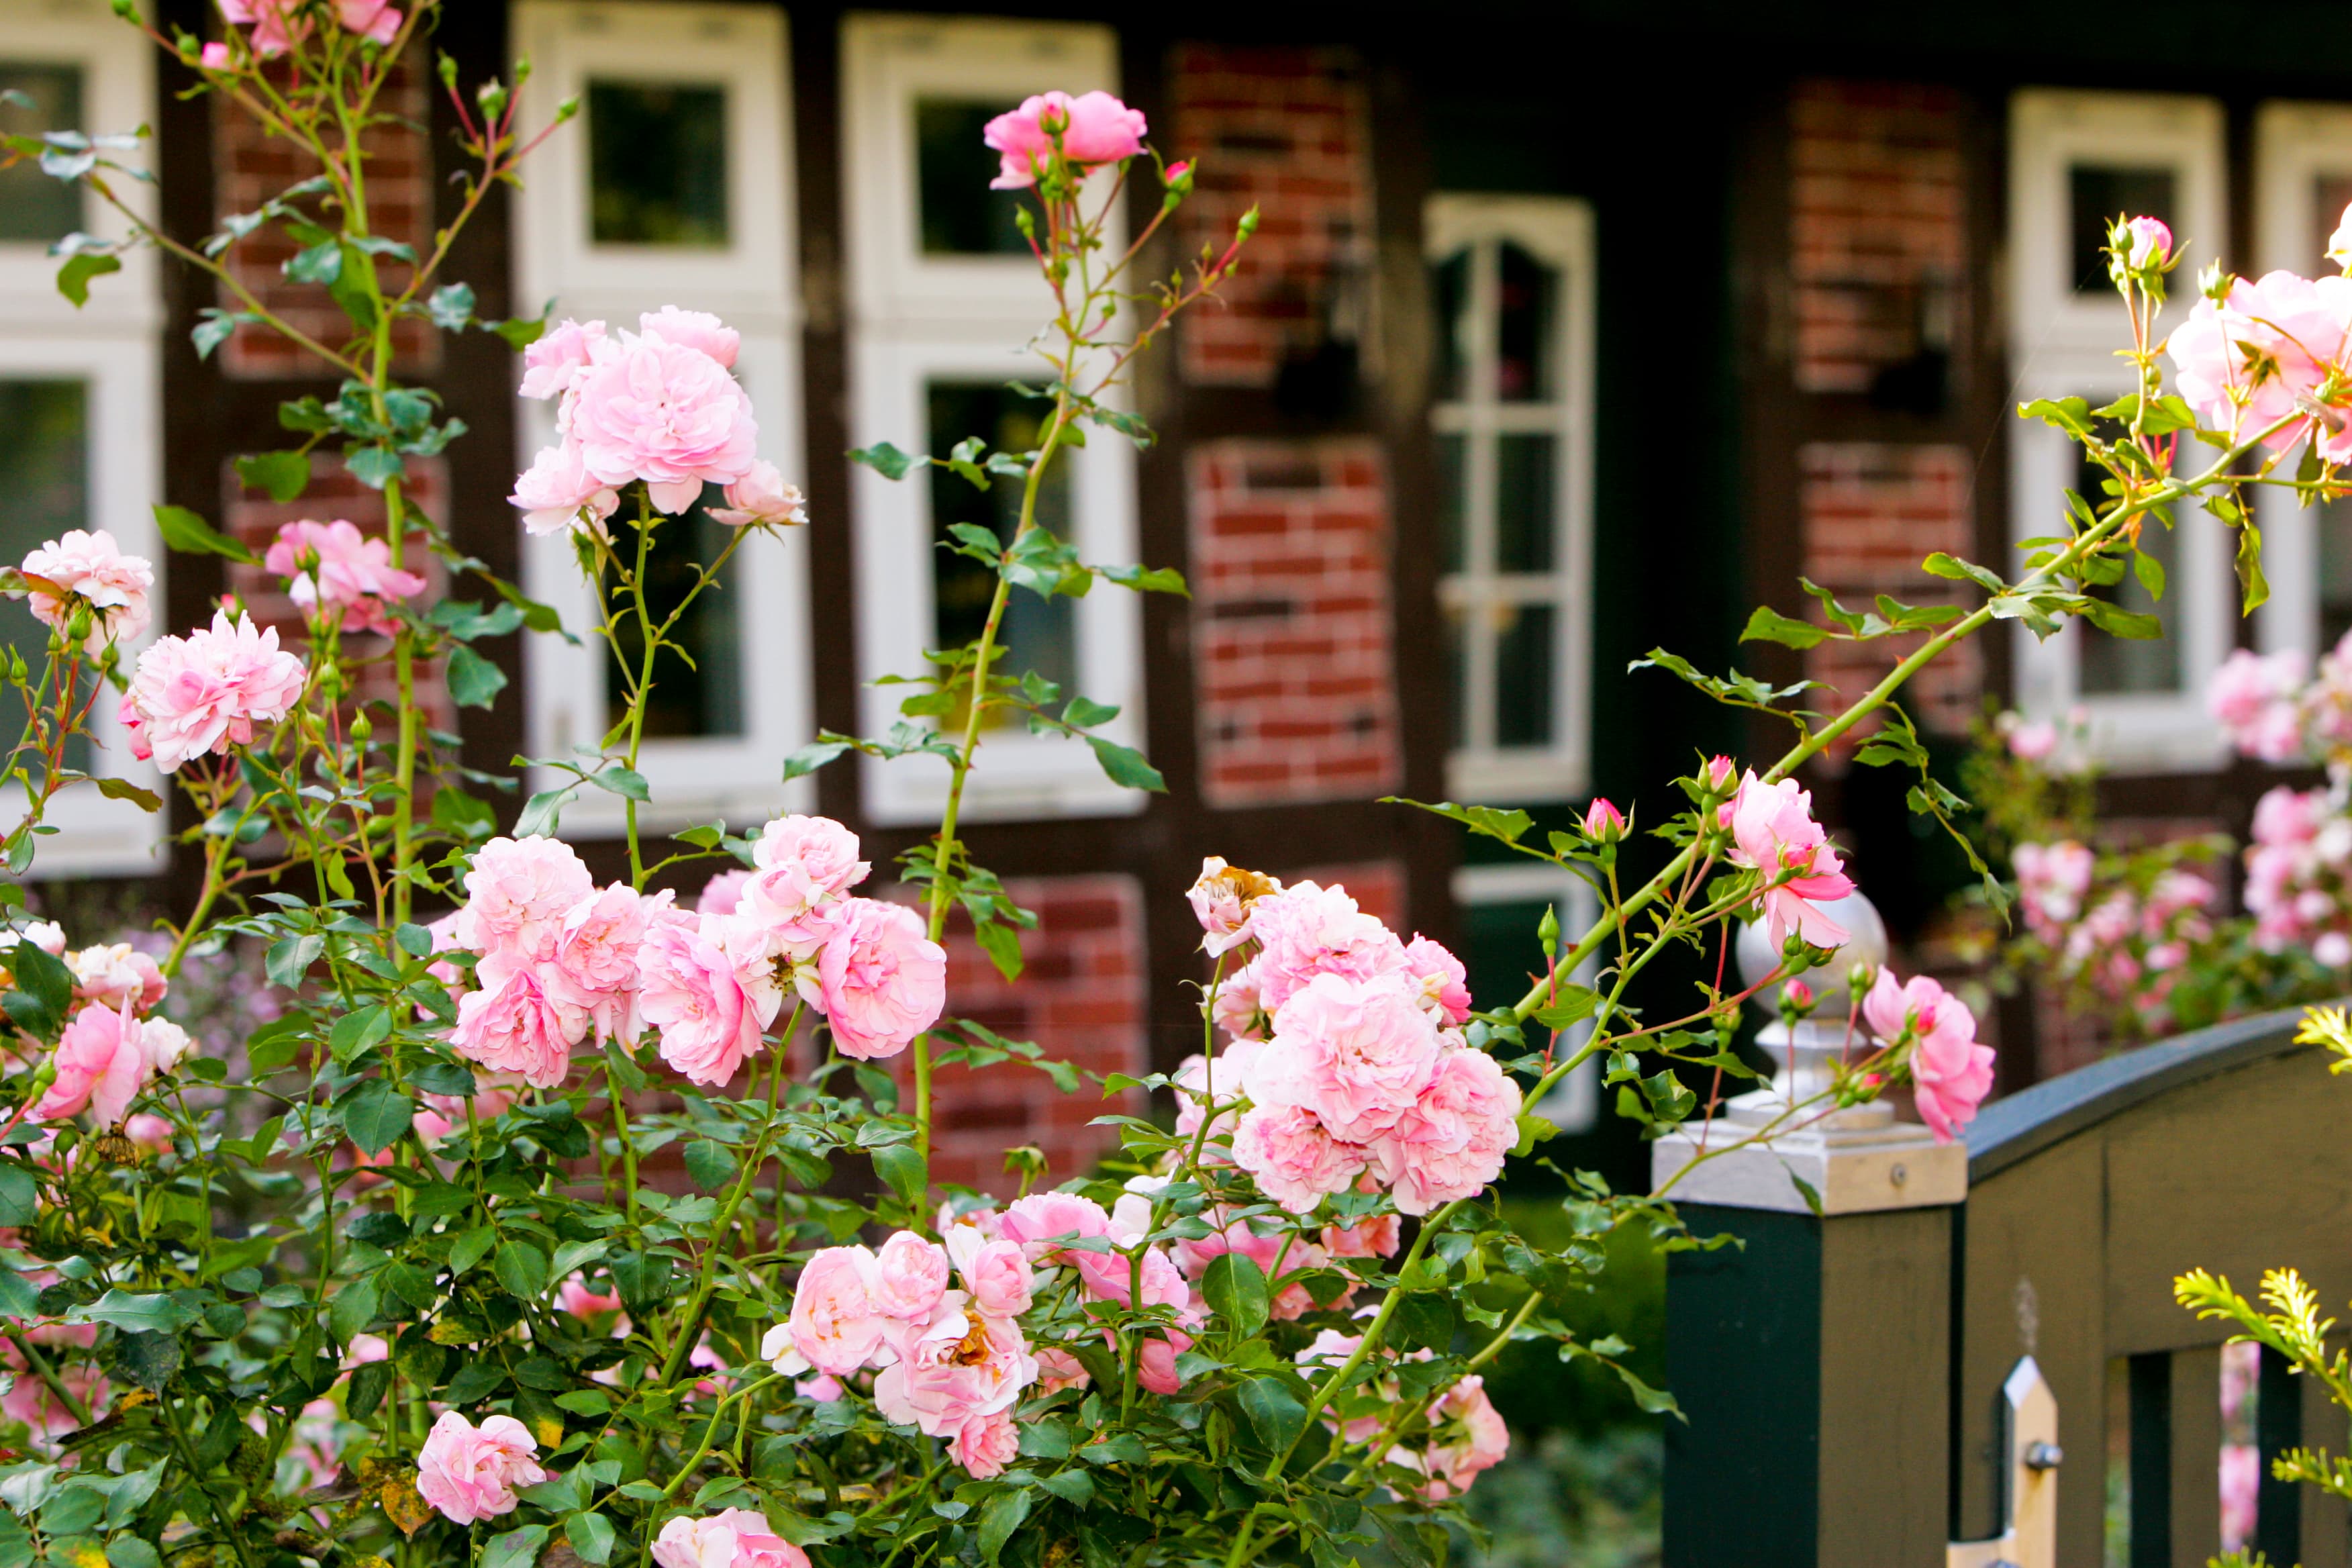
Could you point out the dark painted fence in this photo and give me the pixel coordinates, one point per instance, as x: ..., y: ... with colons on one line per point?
x: 1843, y: 1375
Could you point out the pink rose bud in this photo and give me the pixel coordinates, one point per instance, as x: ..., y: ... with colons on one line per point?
x: 1799, y: 993
x: 1720, y: 773
x: 1603, y: 822
x: 214, y: 57
x: 2148, y: 244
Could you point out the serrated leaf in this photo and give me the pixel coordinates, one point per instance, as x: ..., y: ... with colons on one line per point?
x: 124, y: 790
x: 883, y: 460
x: 284, y: 475
x: 1273, y: 1411
x: 1000, y: 1515
x: 1768, y: 624
x: 376, y: 1115
x: 1001, y: 942
x: 1126, y: 766
x: 521, y: 1270
x: 1236, y: 1290
x: 451, y: 307
x: 591, y: 1535
x: 356, y: 1030
x: 710, y: 1164
x: 903, y: 1166
x: 514, y: 1548
x: 474, y: 682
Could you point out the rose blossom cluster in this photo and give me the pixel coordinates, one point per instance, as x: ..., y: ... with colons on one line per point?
x: 2299, y: 876
x: 113, y: 1045
x: 2127, y: 945
x: 205, y: 691
x: 1091, y: 130
x: 2270, y: 352
x: 561, y: 960
x: 1951, y: 1073
x: 331, y: 567
x: 2270, y: 711
x: 89, y: 571
x: 950, y: 1362
x: 278, y: 25
x: 2052, y: 881
x: 1465, y: 1434
x: 1346, y: 1041
x: 472, y: 1473
x: 1773, y: 832
x: 659, y: 405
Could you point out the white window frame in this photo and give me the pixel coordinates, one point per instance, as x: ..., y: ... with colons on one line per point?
x: 1558, y: 231
x: 753, y: 285
x: 2063, y: 346
x: 2294, y: 145
x: 915, y: 318
x: 109, y: 344
x: 1574, y: 1104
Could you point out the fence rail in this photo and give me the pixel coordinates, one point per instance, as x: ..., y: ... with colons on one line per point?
x: 1843, y: 1375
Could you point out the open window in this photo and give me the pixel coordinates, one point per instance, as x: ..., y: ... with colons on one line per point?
x: 674, y: 188
x: 944, y: 294
x: 80, y: 401
x: 2303, y: 183
x: 2078, y: 161
x: 1513, y: 417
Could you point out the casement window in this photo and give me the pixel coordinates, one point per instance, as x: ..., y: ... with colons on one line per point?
x: 675, y: 187
x: 2303, y: 183
x: 1501, y: 907
x: 80, y: 400
x: 2078, y: 160
x: 943, y: 294
x: 1513, y: 417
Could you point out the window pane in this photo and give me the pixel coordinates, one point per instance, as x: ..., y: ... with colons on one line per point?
x: 703, y: 698
x: 1453, y: 499
x: 2335, y: 571
x: 961, y: 216
x: 658, y: 164
x: 2099, y: 194
x: 33, y: 206
x: 1523, y: 675
x: 1523, y: 367
x: 1037, y: 634
x: 1523, y: 503
x: 44, y: 473
x: 1504, y: 953
x: 1450, y: 282
x: 2114, y: 666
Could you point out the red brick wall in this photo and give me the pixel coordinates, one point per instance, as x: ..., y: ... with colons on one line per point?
x: 253, y: 520
x: 1873, y: 512
x: 1292, y: 658
x: 1080, y: 997
x: 251, y: 167
x: 1877, y: 227
x: 1285, y: 130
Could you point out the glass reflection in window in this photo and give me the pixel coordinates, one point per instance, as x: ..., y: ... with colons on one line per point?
x: 33, y: 208
x: 657, y: 165
x: 1036, y: 634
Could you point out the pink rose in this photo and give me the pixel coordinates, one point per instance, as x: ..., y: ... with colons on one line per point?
x: 1438, y: 979
x: 1293, y: 1157
x: 2148, y: 243
x: 996, y: 1274
x: 959, y: 1368
x: 723, y: 894
x: 373, y: 20
x: 1356, y: 1053
x: 334, y: 567
x: 697, y: 329
x: 732, y: 1538
x: 800, y: 864
x: 514, y: 1025
x: 276, y: 27
x: 2263, y: 356
x: 558, y: 359
x: 1951, y: 1073
x: 557, y: 487
x: 575, y: 1298
x: 762, y: 495
x: 1279, y: 1258
x: 90, y: 569
x: 2256, y: 699
x: 518, y: 893
x: 2032, y: 742
x: 1238, y: 1007
x: 207, y: 691
x: 472, y: 1473
x: 1223, y: 899
x: 1379, y: 1236
x: 103, y: 1059
x: 1155, y: 1362
x: 1059, y: 1370
x: 702, y: 988
x: 593, y: 969
x: 214, y: 57
x: 1466, y: 1435
x: 1452, y: 1142
x: 148, y: 1130
x: 822, y: 1389
x: 836, y: 1322
x: 1093, y: 129
x: 1111, y: 1277
x: 1307, y: 930
x: 665, y: 413
x: 985, y: 1445
x: 1036, y: 1222
x: 118, y: 974
x: 911, y: 1276
x: 883, y: 981
x: 1773, y: 831
x: 1601, y: 822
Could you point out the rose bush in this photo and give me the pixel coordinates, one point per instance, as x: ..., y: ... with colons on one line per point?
x: 409, y: 1283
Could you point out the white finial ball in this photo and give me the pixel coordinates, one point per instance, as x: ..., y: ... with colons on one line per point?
x: 1865, y: 948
